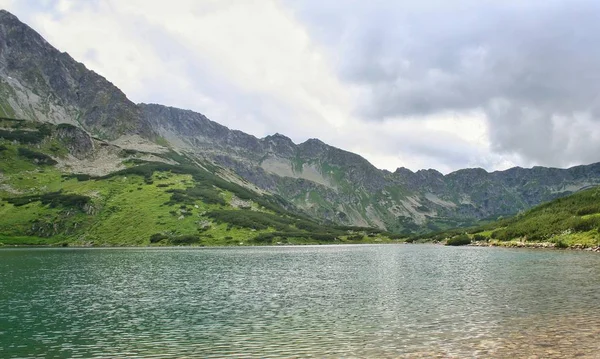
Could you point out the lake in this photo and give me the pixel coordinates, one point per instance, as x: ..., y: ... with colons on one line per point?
x: 307, y: 301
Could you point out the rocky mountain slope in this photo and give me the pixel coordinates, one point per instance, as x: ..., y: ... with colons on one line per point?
x: 343, y: 187
x: 145, y: 199
x: 571, y: 221
x: 38, y: 82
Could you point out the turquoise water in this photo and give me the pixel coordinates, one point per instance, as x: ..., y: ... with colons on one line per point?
x: 319, y: 301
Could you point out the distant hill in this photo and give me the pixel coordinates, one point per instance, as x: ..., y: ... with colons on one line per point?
x: 569, y: 221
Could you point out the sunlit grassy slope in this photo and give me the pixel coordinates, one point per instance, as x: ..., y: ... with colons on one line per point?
x: 147, y: 203
x: 565, y: 222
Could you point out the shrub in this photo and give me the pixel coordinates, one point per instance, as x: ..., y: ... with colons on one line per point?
x: 560, y: 244
x: 29, y: 137
x: 81, y: 177
x: 323, y: 236
x: 53, y: 199
x: 185, y: 239
x: 265, y: 237
x: 500, y: 235
x: 307, y: 226
x: 157, y: 237
x: 206, y: 194
x: 592, y: 209
x: 460, y: 240
x: 37, y: 157
x: 127, y: 153
x: 65, y: 126
x: 479, y: 238
x: 251, y: 219
x: 584, y: 225
x: 191, y: 195
x: 394, y: 235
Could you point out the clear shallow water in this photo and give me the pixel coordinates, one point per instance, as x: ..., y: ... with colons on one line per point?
x: 321, y: 301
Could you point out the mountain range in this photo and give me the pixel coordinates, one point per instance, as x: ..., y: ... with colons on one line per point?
x: 38, y: 83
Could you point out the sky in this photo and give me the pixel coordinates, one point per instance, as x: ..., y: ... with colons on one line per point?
x: 414, y: 83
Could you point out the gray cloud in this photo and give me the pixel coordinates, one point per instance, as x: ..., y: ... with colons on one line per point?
x: 533, y: 68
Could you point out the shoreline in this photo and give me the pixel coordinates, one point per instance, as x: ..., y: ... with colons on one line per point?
x: 6, y: 246
x: 510, y: 244
x: 536, y: 245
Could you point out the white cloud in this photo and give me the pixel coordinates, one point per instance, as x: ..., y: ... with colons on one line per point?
x: 6, y: 4
x: 444, y: 142
x: 253, y: 66
x: 259, y: 48
x: 267, y: 56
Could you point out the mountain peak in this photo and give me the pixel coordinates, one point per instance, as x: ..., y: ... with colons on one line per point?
x: 313, y: 142
x: 6, y: 14
x: 279, y: 144
x: 25, y: 35
x: 24, y: 30
x: 403, y: 170
x: 430, y: 172
x: 278, y: 137
x: 478, y: 171
x: 66, y: 91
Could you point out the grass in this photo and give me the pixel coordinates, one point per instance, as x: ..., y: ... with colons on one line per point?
x: 572, y: 221
x: 29, y: 241
x: 147, y: 203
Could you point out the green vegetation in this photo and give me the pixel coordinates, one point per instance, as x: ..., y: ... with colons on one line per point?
x: 209, y: 195
x: 565, y: 222
x: 25, y: 136
x: 460, y: 240
x: 146, y: 203
x: 36, y: 157
x: 52, y: 199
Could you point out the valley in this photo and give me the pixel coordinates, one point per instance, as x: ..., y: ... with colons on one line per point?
x: 68, y: 131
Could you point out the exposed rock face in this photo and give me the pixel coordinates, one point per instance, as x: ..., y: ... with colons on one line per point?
x: 37, y: 82
x: 343, y: 187
x: 77, y: 141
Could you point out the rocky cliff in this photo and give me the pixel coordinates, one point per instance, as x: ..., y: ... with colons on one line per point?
x: 39, y: 82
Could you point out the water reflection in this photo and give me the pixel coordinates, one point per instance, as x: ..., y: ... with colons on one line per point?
x: 350, y: 301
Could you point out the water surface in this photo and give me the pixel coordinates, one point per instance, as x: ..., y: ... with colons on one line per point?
x: 320, y: 301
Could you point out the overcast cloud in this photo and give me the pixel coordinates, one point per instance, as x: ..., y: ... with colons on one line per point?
x: 419, y: 84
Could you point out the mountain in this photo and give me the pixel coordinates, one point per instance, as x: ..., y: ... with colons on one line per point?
x: 147, y: 199
x: 39, y: 83
x: 343, y: 187
x: 572, y: 221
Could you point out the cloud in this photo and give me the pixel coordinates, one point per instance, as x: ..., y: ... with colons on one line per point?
x: 444, y: 142
x: 259, y: 73
x: 426, y: 84
x: 531, y: 67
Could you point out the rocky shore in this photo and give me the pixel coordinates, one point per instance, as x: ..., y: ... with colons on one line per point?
x: 542, y: 245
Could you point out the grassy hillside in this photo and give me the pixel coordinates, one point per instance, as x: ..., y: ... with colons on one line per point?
x: 146, y: 203
x: 564, y: 222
